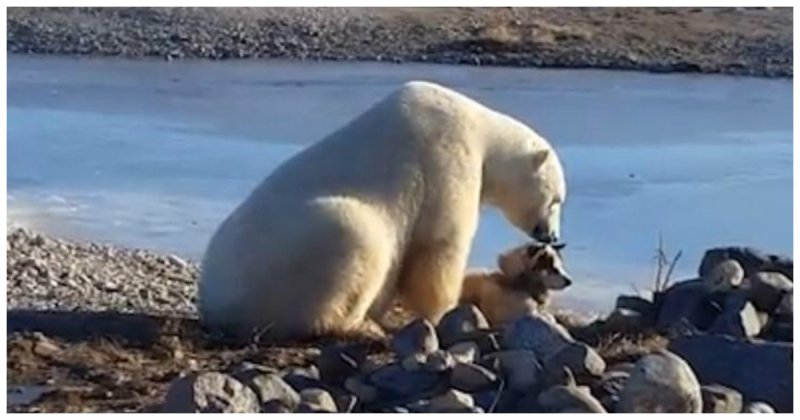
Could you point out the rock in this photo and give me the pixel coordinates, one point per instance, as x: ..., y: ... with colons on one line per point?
x: 365, y: 392
x: 608, y: 388
x: 638, y: 304
x: 316, y: 400
x: 302, y: 378
x: 569, y: 398
x: 661, y: 382
x: 520, y: 368
x: 210, y: 392
x: 346, y: 403
x: 465, y: 352
x: 485, y: 399
x: 727, y: 275
x: 582, y: 360
x: 785, y: 308
x: 760, y: 370
x: 399, y: 382
x: 458, y: 324
x: 574, y: 320
x: 439, y: 361
x: 246, y: 371
x: 758, y: 408
x: 452, y: 401
x: 271, y: 387
x: 414, y: 362
x: 780, y: 331
x: 739, y: 318
x: 275, y: 407
x: 417, y: 337
x: 766, y: 290
x: 721, y: 399
x: 623, y: 320
x: 751, y: 260
x: 535, y: 333
x: 470, y: 377
x: 44, y: 347
x: 685, y: 306
x: 339, y: 361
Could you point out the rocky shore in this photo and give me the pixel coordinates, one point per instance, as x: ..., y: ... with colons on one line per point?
x: 739, y: 41
x: 102, y: 328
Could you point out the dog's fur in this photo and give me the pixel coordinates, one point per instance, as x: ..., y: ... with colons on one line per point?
x: 523, y: 283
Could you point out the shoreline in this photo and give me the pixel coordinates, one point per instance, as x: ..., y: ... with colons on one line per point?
x: 744, y: 42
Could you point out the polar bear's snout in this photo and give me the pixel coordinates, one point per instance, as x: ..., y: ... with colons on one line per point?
x: 544, y: 234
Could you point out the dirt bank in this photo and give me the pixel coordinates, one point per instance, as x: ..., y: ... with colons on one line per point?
x: 752, y: 41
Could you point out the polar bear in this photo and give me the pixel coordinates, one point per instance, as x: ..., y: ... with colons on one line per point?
x: 386, y: 207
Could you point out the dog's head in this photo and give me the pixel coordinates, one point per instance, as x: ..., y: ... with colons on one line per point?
x: 535, y: 266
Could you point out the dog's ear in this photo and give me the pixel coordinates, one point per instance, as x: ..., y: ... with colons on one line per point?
x: 513, y: 263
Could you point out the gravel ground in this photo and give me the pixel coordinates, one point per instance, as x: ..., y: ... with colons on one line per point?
x: 741, y: 41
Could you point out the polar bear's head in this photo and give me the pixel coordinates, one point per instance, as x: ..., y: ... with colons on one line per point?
x: 529, y: 189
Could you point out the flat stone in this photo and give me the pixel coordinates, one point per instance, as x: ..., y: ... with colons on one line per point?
x: 569, y: 399
x: 365, y: 392
x: 458, y: 323
x: 582, y: 360
x: 398, y: 382
x: 760, y: 370
x: 270, y: 386
x: 414, y: 362
x: 686, y: 307
x: 339, y: 361
x: 739, y: 318
x: 752, y: 260
x: 316, y: 400
x: 439, y: 361
x: 210, y: 392
x: 465, y: 352
x: 471, y: 377
x: 452, y: 401
x: 661, y: 382
x: 520, y: 368
x: 534, y: 332
x: 721, y: 399
x: 758, y: 408
x: 766, y: 290
x: 418, y: 336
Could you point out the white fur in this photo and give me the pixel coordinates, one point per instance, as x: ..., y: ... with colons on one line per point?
x: 386, y: 206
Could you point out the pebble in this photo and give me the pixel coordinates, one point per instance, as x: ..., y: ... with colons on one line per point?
x: 209, y: 392
x: 471, y: 377
x: 452, y: 401
x: 418, y: 336
x: 458, y: 324
x: 465, y: 352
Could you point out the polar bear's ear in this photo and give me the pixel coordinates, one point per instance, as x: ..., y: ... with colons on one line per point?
x: 539, y: 157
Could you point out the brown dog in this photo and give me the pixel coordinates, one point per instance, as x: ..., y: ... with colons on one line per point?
x: 527, y: 275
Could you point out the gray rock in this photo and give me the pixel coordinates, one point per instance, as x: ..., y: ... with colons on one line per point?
x: 398, y: 382
x: 727, y: 275
x: 739, y: 318
x: 638, y: 304
x: 414, y: 362
x: 582, y: 360
x: 520, y: 368
x: 271, y: 387
x: 721, y: 399
x: 685, y: 306
x: 760, y: 370
x: 417, y: 337
x: 780, y: 331
x: 339, y: 361
x: 302, y: 378
x: 471, y: 377
x: 439, y: 361
x: 460, y: 323
x: 661, y: 382
x: 452, y: 401
x: 622, y: 319
x: 346, y: 403
x: 534, y: 332
x: 365, y: 392
x: 608, y: 388
x: 465, y: 352
x: 751, y: 260
x: 758, y: 407
x: 785, y: 308
x: 569, y: 398
x: 246, y: 371
x: 316, y: 400
x: 766, y: 289
x: 210, y: 392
